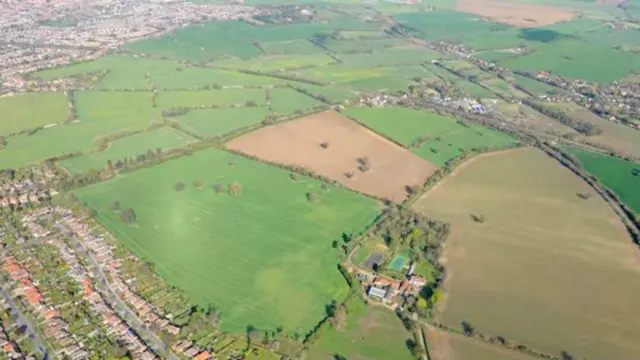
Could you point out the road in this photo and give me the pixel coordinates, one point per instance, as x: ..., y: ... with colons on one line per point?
x: 119, y: 306
x: 23, y: 321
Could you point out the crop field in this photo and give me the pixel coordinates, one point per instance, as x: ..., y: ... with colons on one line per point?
x: 372, y: 333
x: 614, y: 135
x: 521, y: 15
x: 30, y: 111
x: 366, y: 78
x: 216, y: 122
x: 390, y: 57
x: 164, y: 138
x: 579, y: 60
x: 263, y: 258
x: 196, y: 77
x: 447, y: 346
x: 291, y: 47
x: 536, y: 257
x: 389, y: 171
x: 362, y: 45
x: 277, y: 62
x: 436, y: 138
x: 622, y: 177
x: 287, y: 101
x: 220, y: 98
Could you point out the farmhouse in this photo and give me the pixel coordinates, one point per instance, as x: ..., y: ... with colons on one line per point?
x: 379, y: 293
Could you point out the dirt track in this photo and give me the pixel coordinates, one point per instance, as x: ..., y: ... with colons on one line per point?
x: 520, y: 15
x: 297, y: 142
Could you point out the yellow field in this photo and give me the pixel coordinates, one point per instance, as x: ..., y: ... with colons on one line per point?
x: 543, y: 268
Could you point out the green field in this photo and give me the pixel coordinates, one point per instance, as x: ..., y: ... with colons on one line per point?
x: 277, y: 62
x: 221, y: 98
x: 366, y: 78
x: 197, y: 77
x: 164, y: 138
x: 216, y: 122
x: 390, y: 57
x: 361, y: 45
x: 333, y: 94
x: 100, y: 114
x: 372, y: 333
x: 535, y: 228
x: 615, y: 173
x: 293, y: 47
x: 263, y: 258
x: 534, y: 86
x: 287, y: 101
x: 29, y: 111
x: 446, y: 138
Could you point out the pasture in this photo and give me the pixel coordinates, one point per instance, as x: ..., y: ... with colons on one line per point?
x: 217, y: 122
x: 534, y: 86
x: 100, y: 114
x: 209, y: 98
x: 291, y: 47
x: 196, y: 77
x: 366, y: 78
x: 446, y: 346
x: 371, y: 333
x: 287, y: 101
x: 362, y: 45
x: 333, y: 94
x: 526, y: 255
x: 274, y: 63
x: 261, y: 254
x: 164, y: 138
x: 389, y: 57
x: 338, y: 148
x: 30, y: 111
x: 436, y: 138
x: 619, y: 175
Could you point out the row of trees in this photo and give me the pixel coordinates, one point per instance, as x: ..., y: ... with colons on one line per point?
x: 583, y: 127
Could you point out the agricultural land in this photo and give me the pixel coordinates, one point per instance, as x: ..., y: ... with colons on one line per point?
x: 324, y: 180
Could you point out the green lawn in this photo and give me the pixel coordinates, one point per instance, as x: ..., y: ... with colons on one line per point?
x: 615, y: 173
x: 216, y: 122
x: 446, y: 137
x: 372, y: 333
x: 29, y: 111
x: 165, y: 138
x: 176, y: 99
x: 287, y: 101
x: 263, y: 258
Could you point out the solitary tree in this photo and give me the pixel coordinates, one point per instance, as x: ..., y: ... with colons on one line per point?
x: 197, y: 184
x: 128, y: 216
x: 311, y: 196
x: 179, y: 186
x: 218, y: 188
x: 235, y: 189
x: 324, y: 144
x: 468, y: 329
x: 114, y: 205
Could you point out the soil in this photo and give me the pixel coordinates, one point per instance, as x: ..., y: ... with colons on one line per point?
x: 520, y: 15
x: 298, y: 143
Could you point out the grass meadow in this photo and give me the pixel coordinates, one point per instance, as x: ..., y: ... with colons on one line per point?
x: 30, y: 111
x: 333, y: 94
x: 362, y: 45
x: 389, y: 57
x: 372, y: 333
x: 273, y: 63
x: 165, y: 138
x: 291, y: 47
x: 365, y: 78
x: 541, y: 259
x: 287, y: 101
x: 100, y: 114
x: 445, y: 137
x: 216, y: 122
x: 198, y: 77
x: 263, y: 257
x: 619, y: 175
x: 446, y: 345
x: 197, y: 98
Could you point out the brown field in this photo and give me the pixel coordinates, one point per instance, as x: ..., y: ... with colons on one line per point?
x: 297, y: 143
x: 449, y: 346
x: 521, y: 15
x: 544, y: 268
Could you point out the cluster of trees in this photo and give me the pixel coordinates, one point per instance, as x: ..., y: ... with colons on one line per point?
x: 127, y: 216
x: 403, y: 227
x: 175, y: 112
x: 150, y: 155
x: 583, y: 127
x: 364, y: 164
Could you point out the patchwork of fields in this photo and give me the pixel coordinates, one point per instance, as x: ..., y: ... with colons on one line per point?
x: 436, y: 138
x: 262, y: 256
x: 541, y: 257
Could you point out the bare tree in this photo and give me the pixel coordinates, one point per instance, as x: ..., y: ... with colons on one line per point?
x: 324, y: 144
x: 235, y: 189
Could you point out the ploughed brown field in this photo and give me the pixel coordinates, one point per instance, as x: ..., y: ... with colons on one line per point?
x: 334, y: 146
x: 522, y: 15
